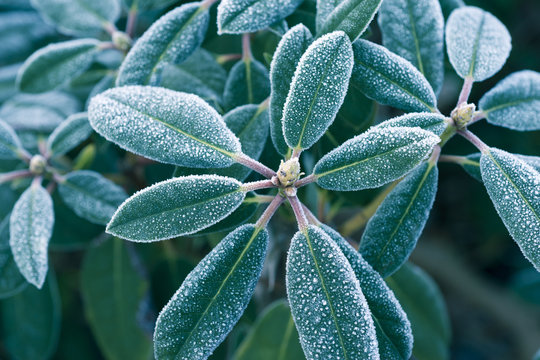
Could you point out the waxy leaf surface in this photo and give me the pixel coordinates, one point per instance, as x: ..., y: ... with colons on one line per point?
x: 436, y: 123
x: 70, y: 133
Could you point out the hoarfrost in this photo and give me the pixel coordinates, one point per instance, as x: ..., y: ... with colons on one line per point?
x: 69, y: 134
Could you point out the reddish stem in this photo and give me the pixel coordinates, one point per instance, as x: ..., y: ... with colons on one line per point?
x: 298, y: 212
x: 270, y: 211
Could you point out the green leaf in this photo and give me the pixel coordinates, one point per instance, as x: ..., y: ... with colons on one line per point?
x: 331, y: 314
x: 70, y: 133
x: 11, y: 280
x: 10, y: 144
x: 91, y: 196
x: 423, y: 302
x: 350, y: 16
x: 284, y: 62
x: 30, y: 228
x: 8, y: 75
x: 248, y: 83
x: 164, y: 125
x: 272, y: 337
x: 170, y: 40
x: 514, y: 102
x: 514, y: 189
x: 392, y: 232
x: 374, y: 158
x: 391, y: 324
x: 238, y: 217
x: 247, y: 16
x: 113, y: 291
x: 81, y: 17
x: 176, y: 207
x: 31, y: 322
x: 414, y: 30
x: 212, y: 298
x: 56, y: 64
x: 472, y: 164
x: 317, y: 90
x: 435, y: 123
x: 390, y: 79
x: 481, y: 50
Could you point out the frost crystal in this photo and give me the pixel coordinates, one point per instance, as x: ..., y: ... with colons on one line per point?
x: 69, y: 134
x: 436, y: 123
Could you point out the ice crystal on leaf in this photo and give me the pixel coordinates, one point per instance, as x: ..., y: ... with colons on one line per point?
x: 436, y: 123
x: 69, y: 134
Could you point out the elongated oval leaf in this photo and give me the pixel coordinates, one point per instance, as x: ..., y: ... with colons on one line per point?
x: 391, y: 324
x: 415, y: 30
x: 176, y: 207
x: 164, y: 125
x: 56, y: 64
x: 514, y: 189
x: 31, y: 322
x: 323, y: 9
x: 238, y: 217
x: 170, y: 40
x: 327, y: 304
x: 248, y: 83
x: 81, y: 17
x: 436, y: 123
x: 69, y: 134
x: 423, y: 302
x: 30, y: 229
x: 351, y: 16
x: 390, y: 79
x: 318, y: 89
x: 272, y: 337
x: 91, y: 196
x: 391, y: 234
x: 11, y: 280
x: 514, y: 102
x: 10, y: 144
x: 114, y: 319
x: 481, y: 50
x: 374, y: 158
x: 284, y: 62
x: 245, y: 16
x: 471, y: 164
x: 212, y: 297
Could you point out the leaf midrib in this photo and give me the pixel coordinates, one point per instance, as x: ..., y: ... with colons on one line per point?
x: 415, y: 37
x: 476, y: 45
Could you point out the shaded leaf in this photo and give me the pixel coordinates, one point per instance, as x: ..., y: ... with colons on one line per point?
x: 514, y: 102
x: 176, y: 207
x: 8, y: 74
x: 164, y: 125
x: 212, y: 298
x: 330, y: 312
x: 374, y: 158
x: 146, y: 5
x: 248, y: 83
x: 170, y: 40
x: 392, y: 232
x: 317, y: 90
x: 514, y: 189
x: 481, y: 50
x: 70, y: 133
x: 10, y: 144
x: 11, y: 280
x: 436, y: 123
x: 390, y: 79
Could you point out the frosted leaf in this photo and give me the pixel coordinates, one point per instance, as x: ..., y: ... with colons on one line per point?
x: 164, y: 125
x: 171, y: 39
x: 330, y: 312
x: 30, y: 228
x: 8, y: 74
x: 392, y: 232
x: 248, y: 83
x: 273, y: 336
x: 69, y: 134
x: 374, y: 158
x: 472, y: 164
x: 9, y: 142
x: 390, y: 79
x: 176, y: 207
x: 415, y: 30
x: 41, y: 112
x: 436, y: 123
x: 146, y: 5
x: 81, y: 17
x: 246, y: 16
x: 514, y: 189
x: 350, y: 16
x: 284, y: 62
x: 477, y: 43
x: 250, y: 124
x: 56, y: 64
x: 391, y: 324
x: 212, y: 297
x: 317, y: 90
x: 11, y: 280
x: 91, y: 196
x: 324, y: 8
x: 424, y: 305
x: 514, y: 102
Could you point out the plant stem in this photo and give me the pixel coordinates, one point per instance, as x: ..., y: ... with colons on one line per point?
x: 254, y: 165
x: 435, y: 155
x: 110, y: 28
x: 13, y: 175
x: 24, y: 155
x: 455, y: 159
x: 478, y: 115
x: 257, y: 185
x: 222, y: 59
x: 307, y: 180
x: 473, y: 139
x: 465, y: 90
x: 298, y: 213
x: 296, y: 153
x: 259, y: 199
x: 269, y: 212
x: 207, y: 3
x: 312, y: 219
x: 131, y: 21
x: 246, y: 47
x: 51, y: 187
